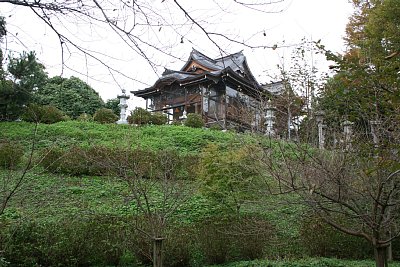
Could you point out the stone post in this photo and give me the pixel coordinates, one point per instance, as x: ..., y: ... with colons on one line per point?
x: 269, y: 119
x: 374, y: 132
x: 319, y: 117
x: 123, y: 106
x: 347, y: 132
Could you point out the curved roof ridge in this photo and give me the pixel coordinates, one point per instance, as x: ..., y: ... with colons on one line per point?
x: 170, y: 71
x: 195, y: 51
x: 230, y: 55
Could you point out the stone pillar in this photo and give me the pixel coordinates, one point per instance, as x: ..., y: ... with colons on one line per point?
x: 374, y: 132
x: 269, y: 119
x: 123, y: 106
x: 347, y: 132
x: 319, y: 117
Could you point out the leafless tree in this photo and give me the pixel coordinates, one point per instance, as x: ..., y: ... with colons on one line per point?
x: 150, y: 29
x: 159, y: 182
x: 355, y: 188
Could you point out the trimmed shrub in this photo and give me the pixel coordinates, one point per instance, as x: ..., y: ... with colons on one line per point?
x: 84, y: 117
x: 194, y: 120
x: 139, y: 116
x: 44, y: 114
x: 158, y: 118
x: 10, y: 155
x: 105, y: 115
x: 52, y: 115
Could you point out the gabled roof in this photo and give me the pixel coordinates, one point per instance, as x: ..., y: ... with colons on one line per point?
x: 234, y: 65
x: 235, y: 61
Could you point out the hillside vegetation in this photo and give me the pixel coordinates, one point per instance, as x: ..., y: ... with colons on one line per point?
x: 74, y: 209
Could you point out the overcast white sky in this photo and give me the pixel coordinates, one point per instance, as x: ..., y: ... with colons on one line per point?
x: 310, y: 19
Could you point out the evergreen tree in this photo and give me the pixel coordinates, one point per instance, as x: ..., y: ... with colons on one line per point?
x: 23, y: 77
x: 113, y: 104
x: 71, y: 95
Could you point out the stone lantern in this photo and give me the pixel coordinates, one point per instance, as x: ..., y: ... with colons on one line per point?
x: 123, y: 106
x: 319, y: 117
x: 269, y: 119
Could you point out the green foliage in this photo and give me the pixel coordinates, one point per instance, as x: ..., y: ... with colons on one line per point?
x: 43, y: 114
x: 111, y: 240
x: 365, y: 87
x: 194, y: 120
x: 158, y: 118
x: 12, y: 100
x: 90, y: 220
x: 228, y: 176
x: 308, y: 262
x: 10, y: 154
x: 216, y: 127
x: 85, y: 117
x: 183, y: 139
x: 28, y: 71
x: 226, y: 239
x: 68, y: 241
x: 113, y: 104
x: 105, y: 115
x: 28, y: 75
x: 139, y: 116
x: 322, y: 240
x: 95, y: 160
x: 73, y: 96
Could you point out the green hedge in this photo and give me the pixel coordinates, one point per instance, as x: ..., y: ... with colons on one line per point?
x: 103, y: 240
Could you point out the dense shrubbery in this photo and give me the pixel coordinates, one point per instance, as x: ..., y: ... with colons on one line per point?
x: 194, y: 120
x: 83, y: 241
x: 158, y: 118
x: 43, y: 114
x: 105, y: 115
x: 322, y: 240
x: 81, y: 161
x: 102, y: 240
x: 10, y: 154
x: 91, y: 221
x: 140, y: 116
x: 182, y: 139
x: 84, y: 117
x: 102, y: 161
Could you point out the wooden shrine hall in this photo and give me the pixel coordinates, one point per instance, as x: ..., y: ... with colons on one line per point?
x: 222, y: 90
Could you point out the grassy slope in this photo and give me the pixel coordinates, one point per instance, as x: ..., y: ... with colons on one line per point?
x: 182, y: 138
x: 51, y: 197
x: 59, y: 195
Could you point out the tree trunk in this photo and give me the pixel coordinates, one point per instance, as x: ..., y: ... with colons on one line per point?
x: 157, y: 252
x: 390, y: 252
x: 380, y: 257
